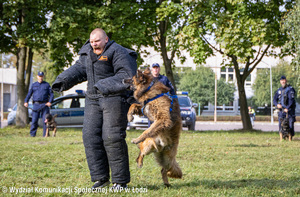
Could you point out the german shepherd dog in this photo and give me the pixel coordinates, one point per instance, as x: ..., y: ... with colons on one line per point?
x: 284, y: 132
x: 162, y: 137
x: 50, y: 124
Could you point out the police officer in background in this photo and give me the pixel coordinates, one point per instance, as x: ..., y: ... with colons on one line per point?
x: 284, y: 99
x: 42, y: 97
x: 104, y: 64
x: 155, y: 70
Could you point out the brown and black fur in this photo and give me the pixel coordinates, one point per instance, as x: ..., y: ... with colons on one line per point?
x: 162, y: 137
x: 285, y: 132
x: 50, y: 124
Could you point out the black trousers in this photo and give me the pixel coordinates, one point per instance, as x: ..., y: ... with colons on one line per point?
x: 104, y: 132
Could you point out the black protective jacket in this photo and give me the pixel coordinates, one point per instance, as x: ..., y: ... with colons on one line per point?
x: 104, y: 73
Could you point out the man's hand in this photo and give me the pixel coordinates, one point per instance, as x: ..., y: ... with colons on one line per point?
x: 57, y: 86
x: 26, y: 104
x: 279, y: 106
x: 48, y: 104
x: 286, y: 110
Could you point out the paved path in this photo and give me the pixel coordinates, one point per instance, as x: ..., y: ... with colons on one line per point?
x: 264, y: 126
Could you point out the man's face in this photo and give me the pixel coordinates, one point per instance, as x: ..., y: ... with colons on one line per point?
x: 283, y: 82
x: 40, y: 78
x: 98, y: 42
x: 155, y: 71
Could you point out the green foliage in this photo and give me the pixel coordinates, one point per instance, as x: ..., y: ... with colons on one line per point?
x: 225, y: 92
x: 291, y: 25
x: 129, y: 23
x: 262, y: 83
x: 236, y: 26
x: 200, y: 84
x: 214, y: 163
x: 23, y: 23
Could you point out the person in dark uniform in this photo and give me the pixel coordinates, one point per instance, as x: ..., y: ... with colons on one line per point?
x: 284, y: 100
x: 104, y: 64
x: 42, y: 97
x: 155, y: 70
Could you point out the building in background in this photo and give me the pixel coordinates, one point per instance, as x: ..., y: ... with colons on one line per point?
x: 8, y: 77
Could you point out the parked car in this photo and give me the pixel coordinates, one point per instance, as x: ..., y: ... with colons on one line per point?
x: 138, y: 121
x: 69, y: 110
x: 11, y: 117
x: 187, y: 111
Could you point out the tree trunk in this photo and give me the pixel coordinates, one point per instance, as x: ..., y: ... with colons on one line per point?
x: 244, y: 107
x: 164, y: 52
x: 28, y: 69
x: 22, y: 112
x: 242, y: 96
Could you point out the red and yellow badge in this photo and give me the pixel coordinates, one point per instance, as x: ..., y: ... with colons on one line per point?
x: 103, y: 58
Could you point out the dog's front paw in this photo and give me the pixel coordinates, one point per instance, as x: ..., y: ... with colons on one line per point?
x: 134, y: 141
x: 130, y: 117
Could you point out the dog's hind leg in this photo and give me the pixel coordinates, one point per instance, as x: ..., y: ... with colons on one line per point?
x: 281, y: 136
x: 146, y: 147
x: 290, y: 137
x: 54, y: 132
x: 47, y: 132
x: 165, y: 177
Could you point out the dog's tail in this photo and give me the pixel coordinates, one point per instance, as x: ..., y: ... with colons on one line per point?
x: 175, y: 171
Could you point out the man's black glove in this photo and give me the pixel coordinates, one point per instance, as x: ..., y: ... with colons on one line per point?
x: 58, y: 86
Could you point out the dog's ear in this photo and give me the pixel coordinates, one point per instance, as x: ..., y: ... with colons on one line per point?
x: 140, y: 77
x: 147, y: 71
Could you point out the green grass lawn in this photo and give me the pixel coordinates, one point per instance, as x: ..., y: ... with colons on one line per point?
x: 220, y: 163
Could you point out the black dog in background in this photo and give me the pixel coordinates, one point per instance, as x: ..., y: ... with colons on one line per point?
x: 50, y: 124
x: 285, y: 129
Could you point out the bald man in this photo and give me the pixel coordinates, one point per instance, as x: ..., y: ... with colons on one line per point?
x: 104, y: 64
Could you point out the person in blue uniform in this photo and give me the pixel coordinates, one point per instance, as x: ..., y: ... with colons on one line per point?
x: 284, y: 99
x: 42, y: 97
x: 155, y: 70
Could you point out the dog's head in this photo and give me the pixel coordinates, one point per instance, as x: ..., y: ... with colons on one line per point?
x: 49, y: 118
x: 141, y: 79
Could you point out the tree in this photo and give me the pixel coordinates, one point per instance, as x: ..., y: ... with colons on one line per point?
x: 132, y: 23
x: 242, y: 31
x: 23, y: 29
x: 262, y: 83
x: 290, y: 24
x: 200, y: 84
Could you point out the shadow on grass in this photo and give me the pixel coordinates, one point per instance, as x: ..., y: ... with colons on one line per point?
x: 252, y: 145
x: 229, y: 131
x: 265, y: 183
x: 234, y: 184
